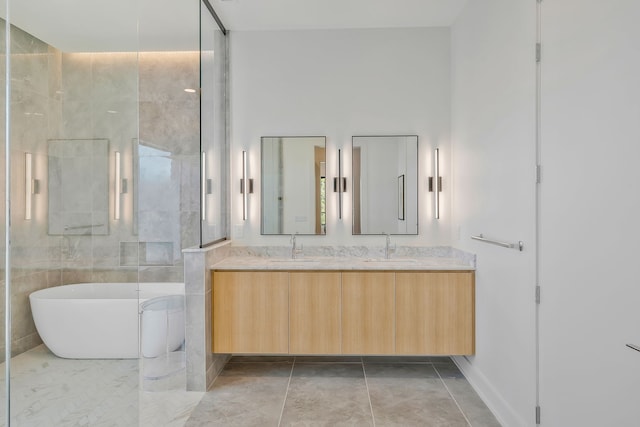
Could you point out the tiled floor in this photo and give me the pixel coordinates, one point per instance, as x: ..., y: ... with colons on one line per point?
x: 344, y: 391
x: 49, y: 391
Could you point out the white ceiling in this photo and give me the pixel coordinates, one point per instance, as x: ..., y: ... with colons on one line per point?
x: 114, y: 25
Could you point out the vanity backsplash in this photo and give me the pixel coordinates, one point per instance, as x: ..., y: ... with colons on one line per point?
x: 354, y: 252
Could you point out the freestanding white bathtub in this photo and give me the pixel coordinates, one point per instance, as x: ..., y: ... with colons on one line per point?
x: 100, y: 320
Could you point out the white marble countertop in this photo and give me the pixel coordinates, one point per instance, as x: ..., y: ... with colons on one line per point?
x: 341, y: 263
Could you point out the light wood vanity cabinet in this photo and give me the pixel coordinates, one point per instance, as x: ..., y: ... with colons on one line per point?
x: 250, y: 312
x: 350, y: 312
x: 435, y: 313
x: 314, y: 312
x: 368, y: 312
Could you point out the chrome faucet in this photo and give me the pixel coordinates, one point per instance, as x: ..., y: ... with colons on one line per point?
x: 295, y: 249
x: 388, y: 249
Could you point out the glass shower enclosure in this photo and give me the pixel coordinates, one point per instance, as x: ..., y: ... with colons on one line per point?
x: 114, y: 161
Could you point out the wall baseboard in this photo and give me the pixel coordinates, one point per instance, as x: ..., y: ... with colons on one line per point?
x: 503, y: 412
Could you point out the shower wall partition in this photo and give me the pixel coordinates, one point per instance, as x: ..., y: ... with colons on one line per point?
x: 104, y: 179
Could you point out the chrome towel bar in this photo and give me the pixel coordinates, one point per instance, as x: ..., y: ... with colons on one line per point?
x: 634, y: 347
x: 80, y: 227
x: 519, y: 246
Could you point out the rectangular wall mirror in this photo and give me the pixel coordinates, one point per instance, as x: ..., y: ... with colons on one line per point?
x: 78, y: 186
x: 385, y: 184
x: 293, y: 185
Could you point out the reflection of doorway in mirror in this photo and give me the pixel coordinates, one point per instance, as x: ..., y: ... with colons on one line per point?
x: 357, y: 226
x: 320, y: 180
x: 401, y: 198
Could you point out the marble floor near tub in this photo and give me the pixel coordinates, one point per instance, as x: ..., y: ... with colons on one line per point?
x: 50, y: 391
x: 344, y: 391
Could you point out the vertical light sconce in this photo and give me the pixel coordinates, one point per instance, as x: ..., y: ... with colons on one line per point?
x: 28, y: 184
x: 435, y: 183
x: 118, y: 189
x: 340, y: 184
x: 203, y: 180
x: 246, y: 187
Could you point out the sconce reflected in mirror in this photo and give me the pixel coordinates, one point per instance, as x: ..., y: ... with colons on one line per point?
x: 205, y: 185
x: 435, y: 183
x: 30, y: 185
x: 120, y: 186
x: 246, y: 186
x: 340, y: 184
x: 118, y: 189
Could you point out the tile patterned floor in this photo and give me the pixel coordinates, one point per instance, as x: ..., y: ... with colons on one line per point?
x: 50, y: 391
x: 341, y: 391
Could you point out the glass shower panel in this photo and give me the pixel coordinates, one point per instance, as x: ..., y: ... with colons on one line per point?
x: 3, y: 249
x: 213, y: 137
x: 167, y: 208
x: 74, y: 115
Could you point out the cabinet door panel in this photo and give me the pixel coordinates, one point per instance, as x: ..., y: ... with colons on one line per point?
x: 250, y: 312
x: 314, y: 312
x: 435, y: 313
x: 368, y: 313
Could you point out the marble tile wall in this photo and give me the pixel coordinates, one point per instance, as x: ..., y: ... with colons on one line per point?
x: 138, y: 102
x: 202, y: 366
x: 169, y: 203
x: 35, y: 256
x: 98, y: 99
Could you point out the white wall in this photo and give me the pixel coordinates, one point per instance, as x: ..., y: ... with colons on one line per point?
x: 493, y: 143
x: 339, y: 83
x: 590, y: 213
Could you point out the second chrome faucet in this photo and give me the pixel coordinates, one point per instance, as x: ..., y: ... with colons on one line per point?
x: 296, y: 250
x: 388, y: 249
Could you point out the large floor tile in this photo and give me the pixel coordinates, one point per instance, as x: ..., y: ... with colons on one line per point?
x: 473, y: 407
x: 244, y: 395
x: 448, y: 371
x: 398, y: 371
x: 327, y: 395
x: 411, y: 395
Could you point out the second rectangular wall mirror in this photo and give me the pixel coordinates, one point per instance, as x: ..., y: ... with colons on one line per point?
x: 385, y: 184
x: 78, y: 191
x: 293, y: 185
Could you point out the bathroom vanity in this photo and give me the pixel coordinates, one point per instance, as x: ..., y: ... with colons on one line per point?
x: 343, y: 306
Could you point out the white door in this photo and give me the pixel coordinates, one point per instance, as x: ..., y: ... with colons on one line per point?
x: 590, y: 213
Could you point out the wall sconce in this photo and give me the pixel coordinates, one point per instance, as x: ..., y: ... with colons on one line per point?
x: 435, y: 183
x: 121, y: 186
x: 245, y: 189
x: 340, y: 184
x: 205, y: 186
x: 203, y: 182
x: 31, y: 185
